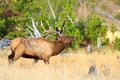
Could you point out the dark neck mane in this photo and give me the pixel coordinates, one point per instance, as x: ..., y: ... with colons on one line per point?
x: 57, y: 48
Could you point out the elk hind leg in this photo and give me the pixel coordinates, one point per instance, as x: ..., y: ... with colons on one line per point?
x: 35, y: 60
x: 19, y: 51
x: 10, y: 58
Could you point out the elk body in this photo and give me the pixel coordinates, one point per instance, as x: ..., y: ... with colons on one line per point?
x: 37, y: 48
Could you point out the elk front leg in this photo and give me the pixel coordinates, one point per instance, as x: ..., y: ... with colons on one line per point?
x: 46, y: 61
x: 45, y: 58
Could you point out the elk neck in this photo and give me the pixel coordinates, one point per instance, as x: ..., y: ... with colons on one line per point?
x: 58, y: 47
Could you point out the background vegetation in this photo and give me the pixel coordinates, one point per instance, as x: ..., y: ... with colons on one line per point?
x: 90, y: 19
x: 14, y: 18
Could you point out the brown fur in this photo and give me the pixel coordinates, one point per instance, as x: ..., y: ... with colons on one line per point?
x: 37, y: 48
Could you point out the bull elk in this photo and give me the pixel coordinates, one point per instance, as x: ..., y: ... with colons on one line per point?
x: 38, y: 48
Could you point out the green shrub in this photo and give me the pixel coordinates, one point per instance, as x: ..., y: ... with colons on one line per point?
x: 94, y: 29
x: 113, y: 28
x: 117, y: 16
x: 117, y: 43
x: 105, y: 41
x: 14, y: 34
x: 3, y: 30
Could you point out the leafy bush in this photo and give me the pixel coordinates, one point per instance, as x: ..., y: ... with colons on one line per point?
x: 94, y: 29
x: 105, y: 41
x: 113, y: 28
x: 14, y: 34
x: 3, y: 30
x: 117, y: 43
x: 40, y: 11
x: 117, y: 16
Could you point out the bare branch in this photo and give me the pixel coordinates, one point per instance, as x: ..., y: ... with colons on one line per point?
x: 85, y: 13
x: 51, y: 10
x: 80, y: 3
x: 36, y: 32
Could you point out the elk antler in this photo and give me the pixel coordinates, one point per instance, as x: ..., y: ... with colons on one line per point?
x: 61, y: 32
x: 47, y: 32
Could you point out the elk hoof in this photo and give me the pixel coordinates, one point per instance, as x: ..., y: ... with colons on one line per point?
x: 11, y: 61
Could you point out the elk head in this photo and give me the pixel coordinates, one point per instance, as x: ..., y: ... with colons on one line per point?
x: 60, y: 35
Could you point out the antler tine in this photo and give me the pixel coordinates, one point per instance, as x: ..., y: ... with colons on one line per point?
x: 63, y: 25
x: 58, y: 32
x: 42, y: 26
x: 47, y: 32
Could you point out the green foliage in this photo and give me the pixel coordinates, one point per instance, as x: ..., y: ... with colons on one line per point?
x: 103, y: 30
x: 80, y: 35
x: 93, y: 29
x: 74, y: 31
x: 117, y: 16
x: 15, y: 26
x: 70, y: 28
x: 3, y: 30
x: 117, y: 43
x: 105, y: 41
x: 113, y: 28
x: 14, y: 34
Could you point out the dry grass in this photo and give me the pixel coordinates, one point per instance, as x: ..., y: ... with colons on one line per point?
x: 112, y: 36
x: 63, y: 67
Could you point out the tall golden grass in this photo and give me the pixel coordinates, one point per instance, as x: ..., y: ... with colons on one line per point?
x: 112, y: 36
x: 63, y: 67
